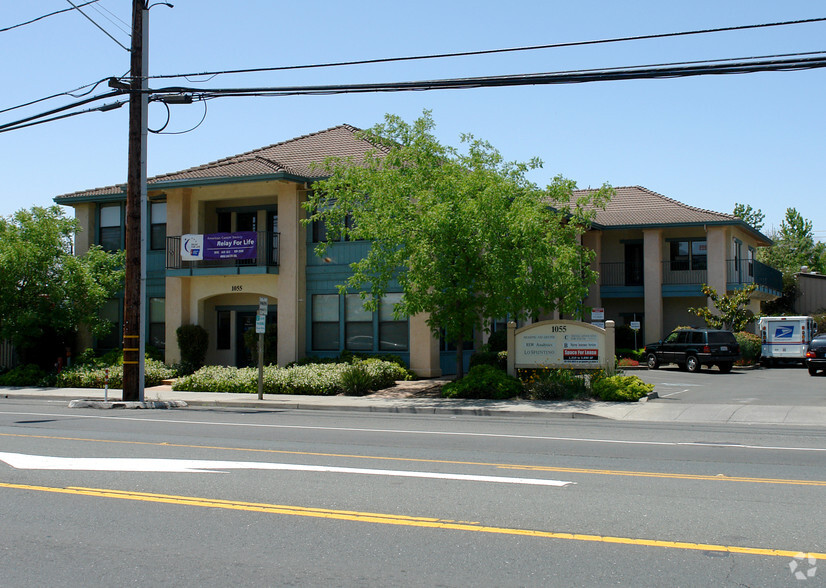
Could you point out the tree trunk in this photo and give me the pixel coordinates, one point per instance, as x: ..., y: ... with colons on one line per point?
x: 460, y: 359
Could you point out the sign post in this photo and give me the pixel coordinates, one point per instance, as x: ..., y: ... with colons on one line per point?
x: 260, y: 329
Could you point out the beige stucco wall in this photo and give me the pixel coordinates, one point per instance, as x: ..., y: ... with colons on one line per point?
x: 85, y: 236
x: 652, y: 286
x: 424, y: 348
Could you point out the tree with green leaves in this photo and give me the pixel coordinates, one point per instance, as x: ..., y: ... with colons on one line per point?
x: 794, y: 247
x: 46, y: 293
x: 462, y: 233
x: 751, y: 216
x: 732, y: 311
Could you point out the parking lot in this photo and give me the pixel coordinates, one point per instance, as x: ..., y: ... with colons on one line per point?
x: 789, y: 385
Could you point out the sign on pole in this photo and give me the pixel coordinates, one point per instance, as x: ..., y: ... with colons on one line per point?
x: 261, y: 324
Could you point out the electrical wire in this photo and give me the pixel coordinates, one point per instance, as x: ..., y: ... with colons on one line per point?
x: 17, y: 123
x: 104, y: 108
x: 562, y: 77
x: 488, y: 51
x: 28, y: 22
x: 123, y: 26
x: 162, y: 132
x: 105, y: 32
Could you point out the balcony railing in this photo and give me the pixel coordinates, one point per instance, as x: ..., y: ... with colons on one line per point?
x: 620, y: 274
x: 739, y: 272
x: 266, y: 254
x: 746, y: 271
x: 684, y: 273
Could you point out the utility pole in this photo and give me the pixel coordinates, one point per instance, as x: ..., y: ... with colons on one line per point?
x: 133, y: 331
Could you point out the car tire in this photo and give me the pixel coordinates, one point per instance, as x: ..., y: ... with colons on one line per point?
x: 692, y: 364
x: 652, y: 361
x: 812, y: 371
x: 725, y: 367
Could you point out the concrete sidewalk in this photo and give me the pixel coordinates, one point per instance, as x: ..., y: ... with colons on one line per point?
x: 650, y: 411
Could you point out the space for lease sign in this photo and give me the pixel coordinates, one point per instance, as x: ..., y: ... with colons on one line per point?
x: 559, y: 344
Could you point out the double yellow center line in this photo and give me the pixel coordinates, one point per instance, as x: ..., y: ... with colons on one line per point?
x: 399, y: 520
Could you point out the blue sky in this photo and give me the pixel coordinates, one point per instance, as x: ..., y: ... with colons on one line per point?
x: 707, y: 141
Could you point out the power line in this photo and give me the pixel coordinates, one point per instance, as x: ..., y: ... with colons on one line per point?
x: 105, y: 32
x: 490, y: 51
x: 112, y: 17
x: 103, y: 108
x: 28, y: 22
x: 788, y: 62
x: 566, y: 77
x: 19, y: 123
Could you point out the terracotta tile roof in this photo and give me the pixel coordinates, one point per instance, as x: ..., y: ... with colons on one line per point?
x: 635, y: 206
x: 295, y: 157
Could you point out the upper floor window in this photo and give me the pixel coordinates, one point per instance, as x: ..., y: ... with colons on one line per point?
x: 321, y: 233
x: 110, y: 230
x: 689, y: 254
x: 157, y: 228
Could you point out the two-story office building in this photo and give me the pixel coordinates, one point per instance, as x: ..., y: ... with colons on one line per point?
x: 226, y: 233
x: 654, y: 254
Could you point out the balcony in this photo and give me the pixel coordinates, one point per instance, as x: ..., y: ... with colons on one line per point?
x: 742, y: 272
x: 259, y: 258
x: 681, y: 278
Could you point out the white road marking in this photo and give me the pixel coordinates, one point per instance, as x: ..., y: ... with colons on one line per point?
x: 22, y: 461
x: 413, y: 432
x: 673, y: 393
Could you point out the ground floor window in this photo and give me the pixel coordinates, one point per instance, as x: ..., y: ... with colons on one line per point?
x: 157, y: 322
x: 325, y: 331
x: 111, y: 312
x: 342, y: 323
x: 223, y: 339
x: 393, y: 332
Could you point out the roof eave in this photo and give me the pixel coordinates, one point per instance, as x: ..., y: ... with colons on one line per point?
x: 68, y: 200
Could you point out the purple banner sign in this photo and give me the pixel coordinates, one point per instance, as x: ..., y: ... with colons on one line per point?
x: 242, y: 245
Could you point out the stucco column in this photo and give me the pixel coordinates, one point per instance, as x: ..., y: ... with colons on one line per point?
x: 593, y: 241
x: 716, y: 251
x: 177, y: 314
x: 85, y: 236
x: 653, y: 283
x: 424, y: 348
x: 291, y: 288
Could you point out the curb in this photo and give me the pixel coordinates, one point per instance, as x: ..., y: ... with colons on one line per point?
x: 435, y: 410
x: 163, y: 404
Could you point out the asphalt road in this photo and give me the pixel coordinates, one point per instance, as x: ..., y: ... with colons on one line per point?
x: 205, y: 497
x: 786, y: 386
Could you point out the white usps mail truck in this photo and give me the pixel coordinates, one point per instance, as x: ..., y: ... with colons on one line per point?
x: 785, y: 338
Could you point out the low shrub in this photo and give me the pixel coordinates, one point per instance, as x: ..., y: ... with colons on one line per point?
x: 498, y: 341
x: 621, y: 388
x: 193, y: 341
x: 483, y: 381
x: 325, y: 379
x: 356, y: 380
x: 635, y: 354
x: 556, y: 384
x: 498, y: 359
x: 24, y: 375
x: 94, y: 376
x: 750, y: 347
